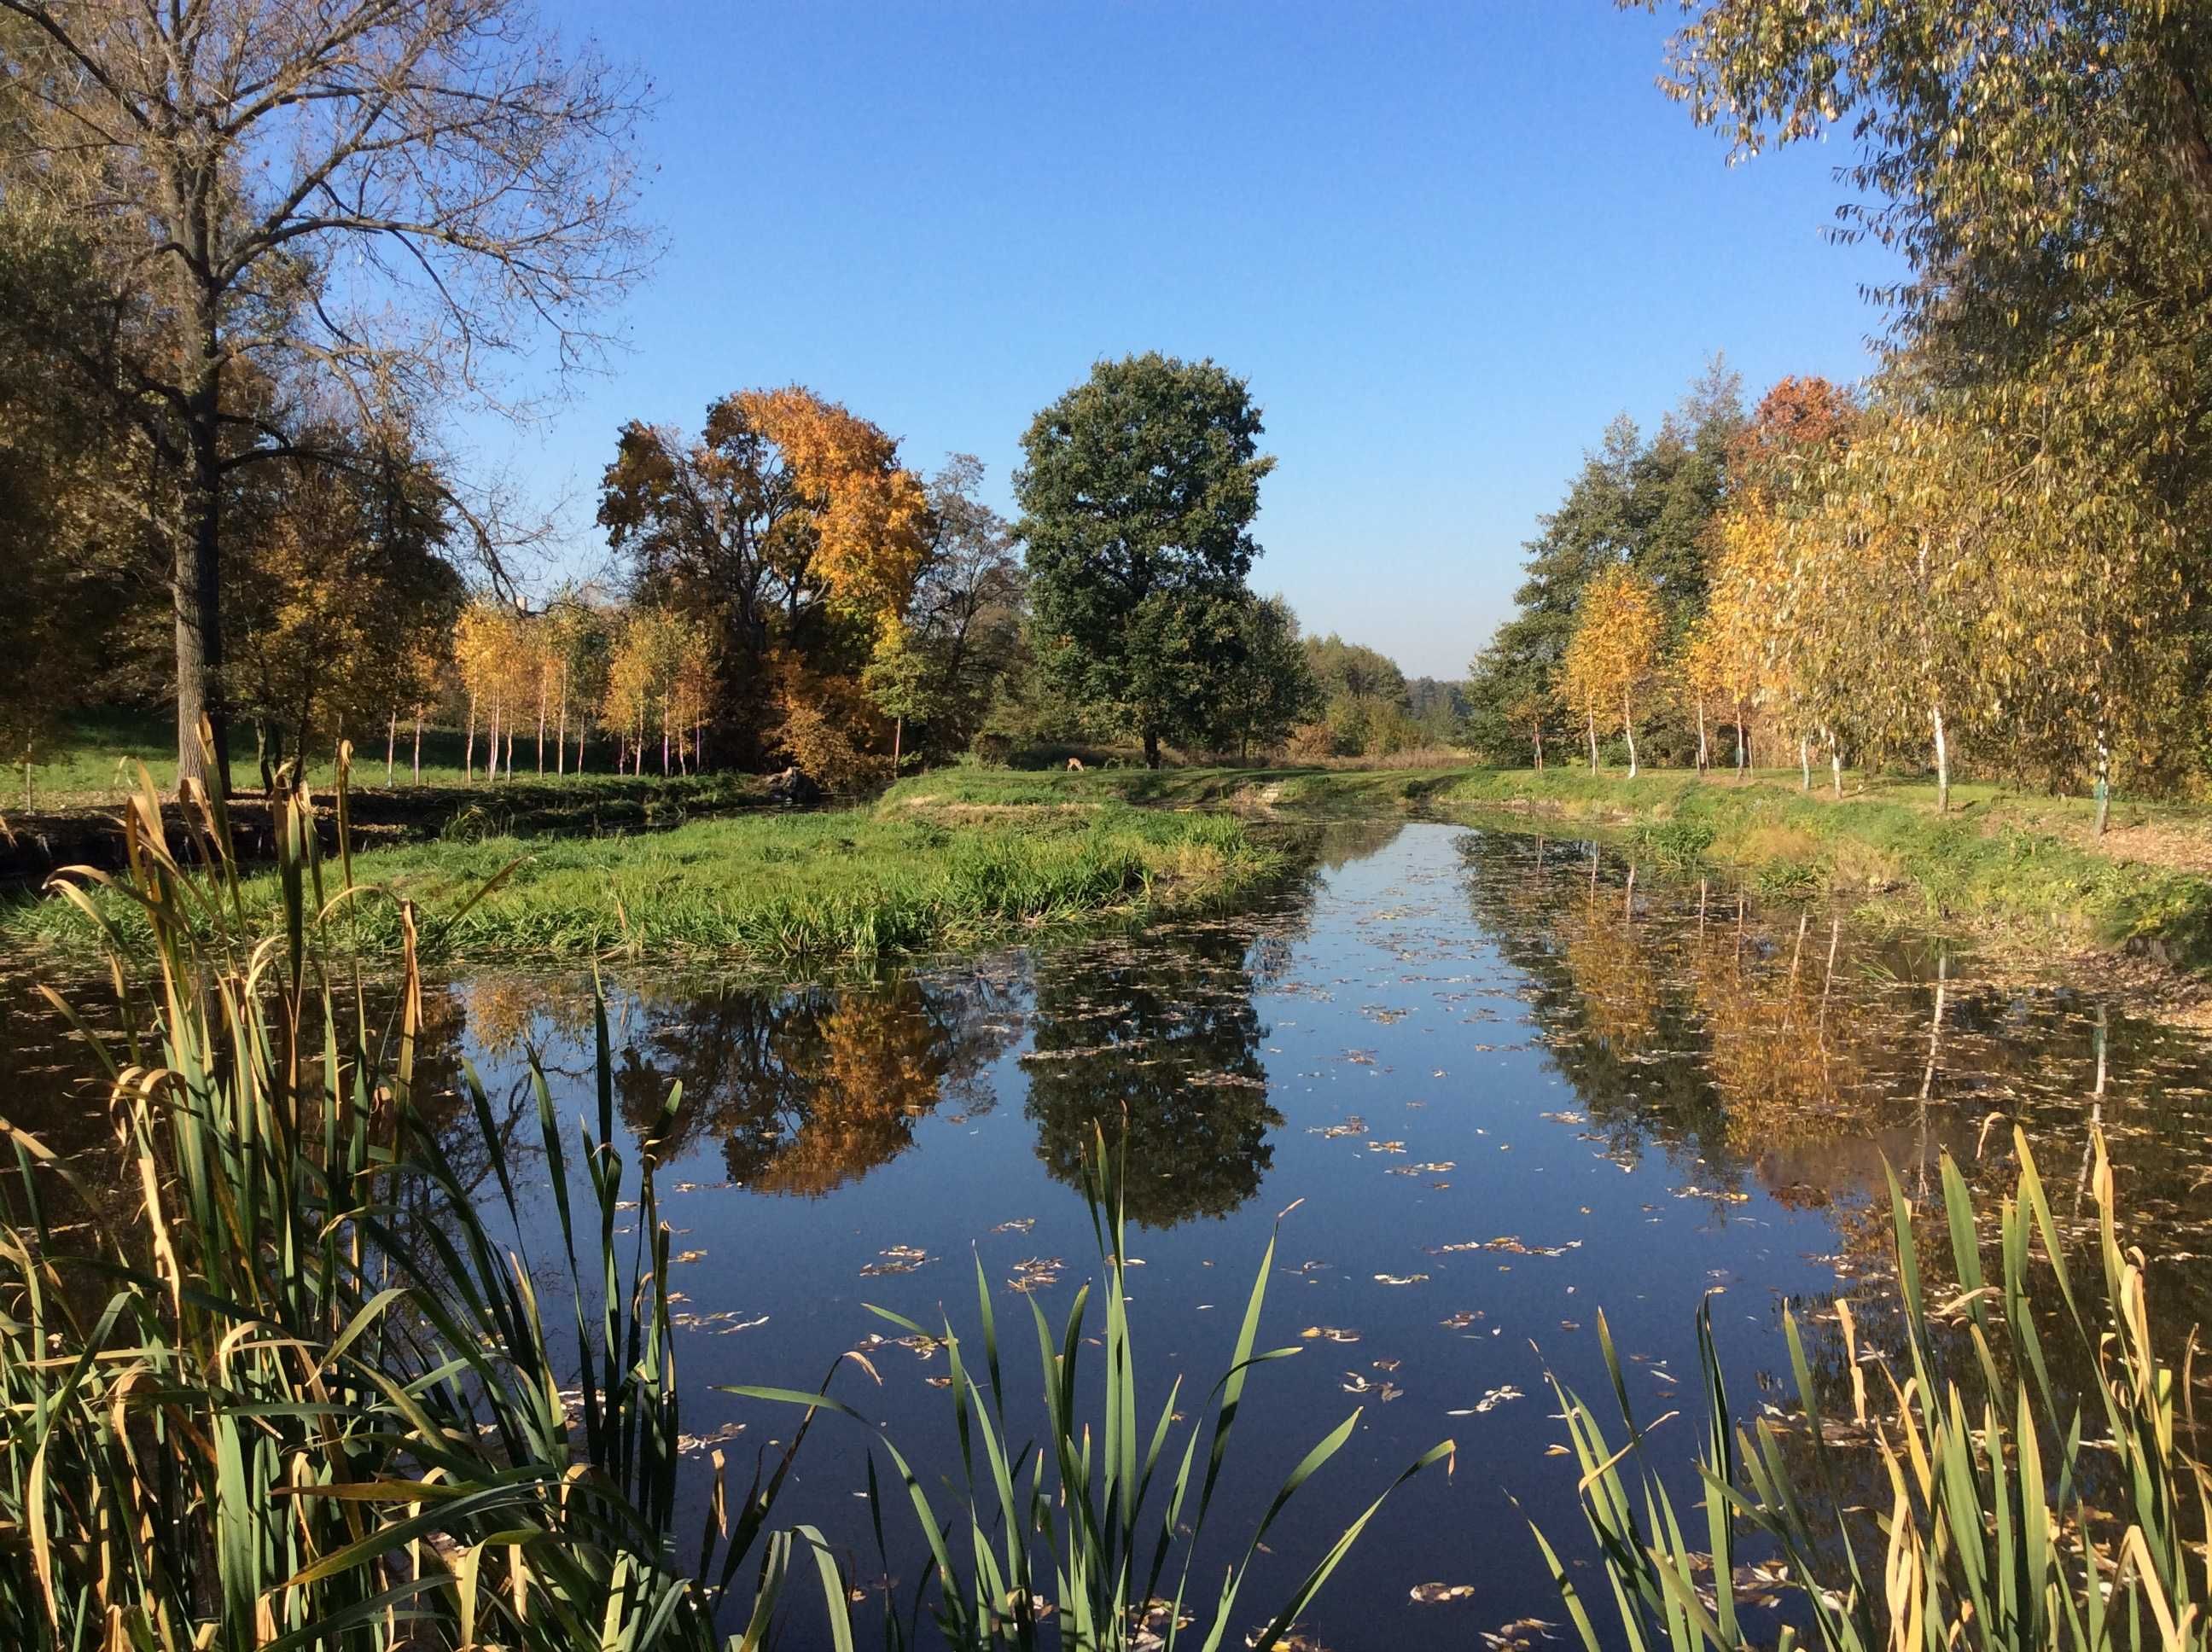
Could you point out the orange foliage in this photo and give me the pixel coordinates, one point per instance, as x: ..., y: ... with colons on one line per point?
x: 869, y: 513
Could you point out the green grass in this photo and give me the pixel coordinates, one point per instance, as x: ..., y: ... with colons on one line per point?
x: 2025, y: 868
x: 772, y: 890
x: 94, y: 763
x: 1343, y: 789
x: 1997, y: 858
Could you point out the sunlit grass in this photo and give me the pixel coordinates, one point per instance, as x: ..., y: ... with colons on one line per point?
x: 783, y: 889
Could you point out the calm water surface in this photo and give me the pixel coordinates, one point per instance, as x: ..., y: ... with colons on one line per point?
x: 1504, y: 1083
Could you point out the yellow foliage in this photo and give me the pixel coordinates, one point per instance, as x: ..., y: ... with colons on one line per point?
x: 869, y: 515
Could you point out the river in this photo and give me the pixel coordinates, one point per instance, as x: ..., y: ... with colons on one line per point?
x: 1498, y: 1083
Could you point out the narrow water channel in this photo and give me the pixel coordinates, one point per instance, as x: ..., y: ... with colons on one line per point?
x: 1506, y: 1083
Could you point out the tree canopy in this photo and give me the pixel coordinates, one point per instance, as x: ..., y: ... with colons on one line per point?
x: 1138, y: 491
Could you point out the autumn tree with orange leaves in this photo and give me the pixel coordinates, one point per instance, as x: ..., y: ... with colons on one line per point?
x: 788, y: 537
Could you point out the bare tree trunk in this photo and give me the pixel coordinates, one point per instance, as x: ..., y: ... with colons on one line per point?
x: 541, y: 723
x: 1943, y: 761
x: 1805, y: 763
x: 1701, y: 734
x: 580, y: 748
x: 418, y: 746
x: 197, y: 564
x: 561, y: 739
x: 1593, y: 741
x: 1742, y: 747
x: 469, y: 753
x: 1628, y: 728
x: 1151, y: 747
x: 1835, y: 765
x: 391, y: 747
x: 898, y: 739
x: 1536, y: 732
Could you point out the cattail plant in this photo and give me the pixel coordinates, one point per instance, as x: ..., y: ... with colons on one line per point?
x: 269, y: 1410
x: 2020, y: 1513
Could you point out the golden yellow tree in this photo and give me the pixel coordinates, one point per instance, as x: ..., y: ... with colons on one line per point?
x: 489, y: 653
x: 1612, y: 661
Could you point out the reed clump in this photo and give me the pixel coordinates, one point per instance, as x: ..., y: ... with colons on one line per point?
x: 2026, y: 1496
x: 1071, y: 1538
x: 301, y: 1394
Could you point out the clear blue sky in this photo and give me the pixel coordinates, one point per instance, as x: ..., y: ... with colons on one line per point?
x: 1444, y: 243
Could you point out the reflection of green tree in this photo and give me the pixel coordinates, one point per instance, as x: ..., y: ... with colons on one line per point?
x: 1160, y: 1033
x: 813, y: 1087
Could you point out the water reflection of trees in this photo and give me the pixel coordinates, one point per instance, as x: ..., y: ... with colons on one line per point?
x: 1743, y: 1044
x: 1159, y: 1032
x: 1778, y: 1046
x: 805, y: 1087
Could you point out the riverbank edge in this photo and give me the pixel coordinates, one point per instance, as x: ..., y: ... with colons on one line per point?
x: 1993, y: 869
x: 816, y: 892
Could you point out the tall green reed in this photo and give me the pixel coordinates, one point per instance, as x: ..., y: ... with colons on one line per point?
x: 2011, y: 1510
x: 300, y: 1396
x: 1068, y: 1540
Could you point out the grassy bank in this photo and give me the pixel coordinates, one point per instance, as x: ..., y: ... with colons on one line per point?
x: 2026, y: 869
x: 772, y: 889
x: 92, y: 762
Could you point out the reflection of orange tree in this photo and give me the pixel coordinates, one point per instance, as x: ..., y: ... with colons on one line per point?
x: 1620, y: 984
x: 1786, y: 1049
x: 503, y: 1010
x: 813, y: 1087
x: 881, y: 1066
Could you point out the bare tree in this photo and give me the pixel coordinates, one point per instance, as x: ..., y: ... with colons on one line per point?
x: 385, y: 195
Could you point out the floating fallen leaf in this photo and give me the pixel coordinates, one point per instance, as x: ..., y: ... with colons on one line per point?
x: 899, y: 1259
x: 1400, y: 1279
x: 1037, y: 1274
x: 1435, y: 1594
x: 1490, y: 1401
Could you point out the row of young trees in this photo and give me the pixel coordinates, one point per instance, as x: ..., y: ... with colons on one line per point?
x: 1991, y: 559
x: 1893, y: 580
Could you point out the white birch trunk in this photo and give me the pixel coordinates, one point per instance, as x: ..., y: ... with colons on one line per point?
x: 1943, y: 761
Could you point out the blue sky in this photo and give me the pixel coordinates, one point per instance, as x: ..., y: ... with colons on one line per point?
x: 1444, y: 243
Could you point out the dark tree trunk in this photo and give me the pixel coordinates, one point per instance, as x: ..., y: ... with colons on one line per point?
x: 197, y: 578
x: 1152, y: 748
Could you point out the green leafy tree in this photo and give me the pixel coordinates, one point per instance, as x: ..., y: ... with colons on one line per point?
x: 904, y: 683
x: 1138, y: 491
x: 1271, y: 689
